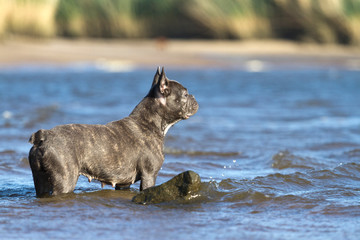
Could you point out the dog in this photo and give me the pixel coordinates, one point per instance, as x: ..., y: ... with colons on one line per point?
x: 119, y: 153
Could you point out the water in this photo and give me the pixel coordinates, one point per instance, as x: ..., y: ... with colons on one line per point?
x: 278, y: 153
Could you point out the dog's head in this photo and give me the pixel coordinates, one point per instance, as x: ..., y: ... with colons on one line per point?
x: 173, y: 98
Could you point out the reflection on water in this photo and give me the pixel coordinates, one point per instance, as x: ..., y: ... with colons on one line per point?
x: 278, y: 153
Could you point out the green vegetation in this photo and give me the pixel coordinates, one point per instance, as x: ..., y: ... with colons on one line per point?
x: 325, y: 21
x: 96, y: 18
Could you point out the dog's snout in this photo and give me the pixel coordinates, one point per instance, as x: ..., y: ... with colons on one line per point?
x: 194, y: 104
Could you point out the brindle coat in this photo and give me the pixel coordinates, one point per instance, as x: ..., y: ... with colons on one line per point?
x: 118, y: 153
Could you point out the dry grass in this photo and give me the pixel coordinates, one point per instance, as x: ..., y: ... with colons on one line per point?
x: 28, y: 17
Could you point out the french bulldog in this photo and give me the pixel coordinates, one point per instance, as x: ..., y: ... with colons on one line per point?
x: 119, y: 153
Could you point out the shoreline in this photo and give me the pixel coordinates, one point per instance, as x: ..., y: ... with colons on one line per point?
x: 117, y: 54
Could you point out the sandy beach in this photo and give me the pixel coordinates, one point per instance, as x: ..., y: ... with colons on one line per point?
x: 118, y: 54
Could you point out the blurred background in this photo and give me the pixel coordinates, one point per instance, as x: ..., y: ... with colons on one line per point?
x: 329, y: 21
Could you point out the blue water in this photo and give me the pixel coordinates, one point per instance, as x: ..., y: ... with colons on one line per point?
x: 278, y: 153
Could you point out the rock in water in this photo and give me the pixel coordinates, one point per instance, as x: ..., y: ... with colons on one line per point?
x: 182, y: 186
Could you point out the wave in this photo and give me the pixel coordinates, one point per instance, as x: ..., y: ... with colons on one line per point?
x: 42, y: 115
x: 194, y: 153
x: 355, y: 153
x: 13, y: 161
x: 286, y: 159
x: 315, y: 188
x: 325, y: 122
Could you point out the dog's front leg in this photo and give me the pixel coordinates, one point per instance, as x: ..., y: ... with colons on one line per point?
x: 147, y: 180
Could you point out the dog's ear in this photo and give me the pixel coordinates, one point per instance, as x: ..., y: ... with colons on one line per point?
x: 156, y: 77
x: 163, y: 84
x: 159, y: 88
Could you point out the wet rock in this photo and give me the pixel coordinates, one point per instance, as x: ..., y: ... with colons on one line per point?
x: 180, y: 187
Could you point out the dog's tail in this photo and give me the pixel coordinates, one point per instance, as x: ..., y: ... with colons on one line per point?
x: 37, y: 138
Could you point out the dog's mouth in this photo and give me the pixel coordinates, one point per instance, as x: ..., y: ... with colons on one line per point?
x: 192, y: 109
x: 188, y: 114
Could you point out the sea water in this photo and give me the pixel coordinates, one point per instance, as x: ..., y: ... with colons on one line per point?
x: 278, y: 152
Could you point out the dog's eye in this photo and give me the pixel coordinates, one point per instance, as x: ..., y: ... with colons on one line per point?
x: 167, y: 92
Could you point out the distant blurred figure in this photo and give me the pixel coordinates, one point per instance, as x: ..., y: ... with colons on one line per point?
x: 161, y: 43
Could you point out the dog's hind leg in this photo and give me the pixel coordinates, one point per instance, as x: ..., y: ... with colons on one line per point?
x: 50, y: 173
x: 63, y: 183
x: 41, y: 178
